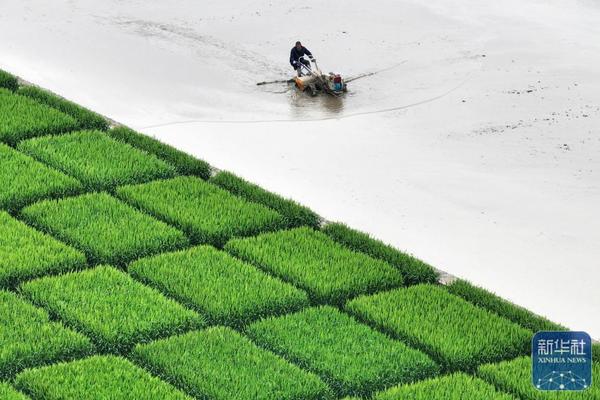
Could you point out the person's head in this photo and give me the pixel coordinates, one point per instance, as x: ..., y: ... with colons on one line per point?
x: 298, y: 45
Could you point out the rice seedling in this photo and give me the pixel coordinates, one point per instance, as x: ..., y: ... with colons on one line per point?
x: 225, y: 290
x: 7, y: 392
x: 482, y: 298
x: 24, y: 180
x: 457, y: 334
x: 8, y: 81
x: 26, y: 253
x: 110, y: 307
x: 93, y: 378
x: 293, y: 213
x: 29, y: 339
x: 97, y: 160
x: 413, y: 270
x: 514, y: 377
x: 23, y: 118
x: 184, y: 163
x: 596, y: 352
x: 457, y: 386
x: 220, y: 364
x: 207, y: 213
x: 352, y: 358
x: 311, y: 260
x: 86, y: 119
x: 106, y: 229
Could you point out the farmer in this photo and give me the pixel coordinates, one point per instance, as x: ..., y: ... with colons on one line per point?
x: 297, y: 57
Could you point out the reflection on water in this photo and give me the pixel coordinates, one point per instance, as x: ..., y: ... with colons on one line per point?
x: 303, y: 105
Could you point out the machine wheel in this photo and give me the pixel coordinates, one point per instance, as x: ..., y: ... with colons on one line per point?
x: 312, y: 90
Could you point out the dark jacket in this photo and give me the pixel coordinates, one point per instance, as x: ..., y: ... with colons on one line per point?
x: 295, y: 54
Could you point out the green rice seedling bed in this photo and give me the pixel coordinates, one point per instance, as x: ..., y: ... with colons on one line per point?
x: 413, y: 270
x: 7, y: 392
x: 225, y: 290
x: 351, y: 357
x: 94, y: 378
x: 457, y: 386
x: 8, y: 81
x: 23, y: 118
x: 97, y: 160
x: 86, y: 119
x: 106, y: 229
x: 26, y: 253
x: 24, y: 180
x: 514, y: 377
x: 221, y: 364
x: 311, y: 260
x: 29, y: 339
x: 293, y: 213
x: 457, y: 334
x: 482, y: 298
x: 110, y: 307
x: 207, y: 213
x: 184, y: 163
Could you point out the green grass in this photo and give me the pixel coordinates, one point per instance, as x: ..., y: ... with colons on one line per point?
x: 26, y: 253
x: 9, y: 393
x: 106, y: 229
x: 351, y: 357
x: 86, y: 119
x: 293, y: 213
x: 454, y: 332
x: 514, y: 377
x: 458, y: 386
x: 311, y: 260
x: 413, y: 270
x: 221, y: 364
x: 184, y: 163
x: 482, y: 298
x: 110, y: 307
x: 95, y: 378
x: 97, y: 160
x: 596, y: 352
x: 24, y: 180
x: 207, y: 213
x: 224, y: 289
x: 8, y: 81
x: 29, y: 339
x: 22, y: 118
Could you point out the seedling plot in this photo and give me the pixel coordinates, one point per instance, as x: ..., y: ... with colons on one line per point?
x: 482, y: 298
x: 351, y: 357
x: 8, y: 81
x: 454, y: 332
x: 514, y: 377
x: 311, y: 260
x: 22, y: 118
x: 29, y: 339
x: 413, y: 270
x: 26, y: 253
x: 8, y: 393
x: 220, y: 364
x: 24, y: 180
x: 293, y: 213
x: 224, y: 289
x: 183, y: 162
x: 97, y: 160
x: 458, y: 386
x: 106, y: 229
x: 207, y: 213
x: 110, y: 307
x: 86, y: 119
x: 98, y: 377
